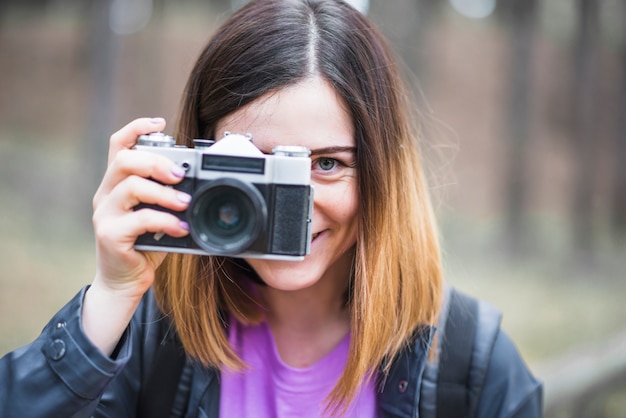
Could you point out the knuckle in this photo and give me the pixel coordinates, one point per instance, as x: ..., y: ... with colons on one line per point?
x: 98, y: 196
x: 127, y: 185
x: 115, y: 138
x: 143, y: 216
x: 150, y: 220
x: 95, y: 201
x: 153, y: 220
x: 101, y: 230
x: 143, y: 164
x: 119, y: 139
x: 124, y: 159
x: 133, y: 182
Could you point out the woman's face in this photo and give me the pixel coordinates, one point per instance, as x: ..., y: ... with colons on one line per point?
x: 309, y: 114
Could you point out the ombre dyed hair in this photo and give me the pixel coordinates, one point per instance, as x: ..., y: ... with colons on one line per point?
x: 397, y: 280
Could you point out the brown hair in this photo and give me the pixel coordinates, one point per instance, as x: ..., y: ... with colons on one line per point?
x: 396, y: 288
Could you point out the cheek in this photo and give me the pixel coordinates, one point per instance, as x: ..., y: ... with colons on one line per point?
x: 337, y: 202
x: 345, y: 205
x: 350, y: 204
x: 325, y: 192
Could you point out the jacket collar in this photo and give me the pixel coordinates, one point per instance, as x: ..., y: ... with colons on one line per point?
x: 401, y: 387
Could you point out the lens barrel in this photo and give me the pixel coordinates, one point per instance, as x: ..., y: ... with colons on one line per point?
x: 226, y: 216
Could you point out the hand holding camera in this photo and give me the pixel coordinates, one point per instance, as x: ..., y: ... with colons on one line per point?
x: 123, y: 275
x: 235, y: 201
x: 127, y: 182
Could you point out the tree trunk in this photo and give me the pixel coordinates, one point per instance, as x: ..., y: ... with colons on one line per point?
x: 585, y: 106
x: 522, y: 19
x: 619, y: 185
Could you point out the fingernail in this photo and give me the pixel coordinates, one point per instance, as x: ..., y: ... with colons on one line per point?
x: 157, y: 121
x: 184, y: 197
x: 184, y: 225
x: 178, y: 171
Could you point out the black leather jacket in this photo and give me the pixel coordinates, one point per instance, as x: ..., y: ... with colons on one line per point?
x: 61, y: 374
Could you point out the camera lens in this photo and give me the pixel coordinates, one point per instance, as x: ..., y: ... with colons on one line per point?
x: 226, y: 216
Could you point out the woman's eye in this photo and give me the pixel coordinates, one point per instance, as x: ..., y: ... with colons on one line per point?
x: 327, y: 164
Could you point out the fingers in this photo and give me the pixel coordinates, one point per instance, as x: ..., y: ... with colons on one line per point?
x: 122, y: 231
x: 130, y: 192
x: 135, y: 177
x: 135, y: 190
x: 126, y: 137
x: 129, y: 163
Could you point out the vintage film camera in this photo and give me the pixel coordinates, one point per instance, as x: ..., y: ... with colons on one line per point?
x: 244, y: 203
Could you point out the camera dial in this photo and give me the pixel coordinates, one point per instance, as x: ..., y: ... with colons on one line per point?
x: 156, y: 139
x: 201, y: 144
x: 291, y: 151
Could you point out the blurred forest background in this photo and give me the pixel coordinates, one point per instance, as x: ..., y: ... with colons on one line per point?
x: 524, y: 110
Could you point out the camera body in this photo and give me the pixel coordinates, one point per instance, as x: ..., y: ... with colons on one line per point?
x: 243, y: 203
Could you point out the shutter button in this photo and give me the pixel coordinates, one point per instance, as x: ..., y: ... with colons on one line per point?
x: 57, y: 349
x: 402, y: 385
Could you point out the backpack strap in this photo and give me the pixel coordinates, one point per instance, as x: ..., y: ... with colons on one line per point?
x: 159, y: 389
x: 452, y: 381
x: 456, y: 356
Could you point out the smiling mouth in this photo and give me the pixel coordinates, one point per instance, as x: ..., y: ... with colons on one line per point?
x: 314, y: 236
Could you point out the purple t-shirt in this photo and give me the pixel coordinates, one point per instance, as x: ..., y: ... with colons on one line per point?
x: 271, y: 388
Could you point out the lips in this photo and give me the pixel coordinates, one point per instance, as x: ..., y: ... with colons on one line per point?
x: 315, y: 235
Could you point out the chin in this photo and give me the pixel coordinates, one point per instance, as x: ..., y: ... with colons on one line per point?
x: 286, y: 275
x: 298, y: 275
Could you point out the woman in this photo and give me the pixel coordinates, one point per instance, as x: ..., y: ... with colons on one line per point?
x: 265, y: 337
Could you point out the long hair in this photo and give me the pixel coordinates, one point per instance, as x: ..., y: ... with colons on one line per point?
x: 396, y: 287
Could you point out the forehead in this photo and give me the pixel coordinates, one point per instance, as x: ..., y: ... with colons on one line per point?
x: 308, y: 113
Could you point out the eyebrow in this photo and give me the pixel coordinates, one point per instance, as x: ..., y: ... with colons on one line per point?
x: 332, y: 150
